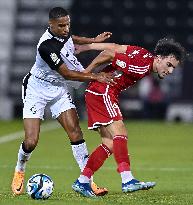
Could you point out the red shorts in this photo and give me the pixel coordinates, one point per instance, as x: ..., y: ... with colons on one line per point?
x: 102, y: 109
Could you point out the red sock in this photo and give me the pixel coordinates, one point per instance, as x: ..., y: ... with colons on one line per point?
x: 120, y: 151
x: 96, y: 160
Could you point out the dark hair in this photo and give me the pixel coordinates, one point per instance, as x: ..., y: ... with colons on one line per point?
x: 57, y: 12
x: 168, y: 46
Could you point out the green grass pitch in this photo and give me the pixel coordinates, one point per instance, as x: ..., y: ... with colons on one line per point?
x: 160, y: 151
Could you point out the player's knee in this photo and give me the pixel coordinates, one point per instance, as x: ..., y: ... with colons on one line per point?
x: 31, y: 140
x: 109, y: 144
x: 75, y: 135
x: 30, y: 144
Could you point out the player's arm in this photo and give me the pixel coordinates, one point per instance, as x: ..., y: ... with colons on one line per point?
x: 104, y: 57
x: 51, y: 55
x: 100, y: 47
x: 84, y: 40
x: 80, y: 76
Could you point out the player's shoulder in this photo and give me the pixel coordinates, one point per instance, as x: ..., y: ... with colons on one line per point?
x: 48, y: 44
x: 136, y: 49
x: 45, y: 36
x: 138, y: 52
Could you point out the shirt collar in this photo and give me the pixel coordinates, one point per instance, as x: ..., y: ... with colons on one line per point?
x: 58, y: 38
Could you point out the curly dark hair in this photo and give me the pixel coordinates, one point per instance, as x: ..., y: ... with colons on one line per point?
x: 57, y: 12
x: 168, y: 46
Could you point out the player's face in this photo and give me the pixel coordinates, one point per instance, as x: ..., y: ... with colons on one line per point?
x: 165, y: 65
x: 60, y: 26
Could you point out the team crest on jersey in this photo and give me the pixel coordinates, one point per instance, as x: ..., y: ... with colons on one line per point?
x: 121, y: 64
x: 54, y: 58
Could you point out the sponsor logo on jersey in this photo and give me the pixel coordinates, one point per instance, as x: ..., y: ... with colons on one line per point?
x: 121, y: 63
x: 55, y: 58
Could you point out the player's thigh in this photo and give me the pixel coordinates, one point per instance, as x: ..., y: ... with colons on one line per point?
x: 117, y: 128
x: 34, y: 101
x: 32, y: 129
x: 63, y: 103
x: 104, y: 133
x: 70, y: 122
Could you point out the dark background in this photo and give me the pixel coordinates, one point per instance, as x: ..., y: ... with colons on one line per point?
x: 136, y: 22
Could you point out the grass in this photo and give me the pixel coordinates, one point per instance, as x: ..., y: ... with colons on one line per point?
x: 160, y: 152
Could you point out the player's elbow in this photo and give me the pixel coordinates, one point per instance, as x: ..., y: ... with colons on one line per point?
x: 65, y: 73
x: 108, y: 55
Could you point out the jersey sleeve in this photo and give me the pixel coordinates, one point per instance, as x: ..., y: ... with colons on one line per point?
x: 49, y: 51
x: 120, y: 62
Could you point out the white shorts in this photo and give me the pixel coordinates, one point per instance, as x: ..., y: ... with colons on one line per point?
x: 36, y: 94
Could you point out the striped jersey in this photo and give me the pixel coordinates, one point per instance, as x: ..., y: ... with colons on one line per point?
x: 52, y: 52
x: 127, y: 68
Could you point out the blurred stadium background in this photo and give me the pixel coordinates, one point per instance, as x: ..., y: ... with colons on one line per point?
x: 140, y: 22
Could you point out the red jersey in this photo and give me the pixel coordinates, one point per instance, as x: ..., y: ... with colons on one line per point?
x: 127, y: 68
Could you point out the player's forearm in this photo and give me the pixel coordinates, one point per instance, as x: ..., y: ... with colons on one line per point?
x: 82, y: 40
x: 102, y: 46
x: 97, y: 46
x: 106, y: 46
x: 78, y: 76
x: 75, y: 75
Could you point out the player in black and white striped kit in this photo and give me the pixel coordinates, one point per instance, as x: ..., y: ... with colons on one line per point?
x: 48, y: 82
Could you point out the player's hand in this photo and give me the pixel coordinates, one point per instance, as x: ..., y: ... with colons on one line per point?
x: 102, y: 37
x: 105, y: 78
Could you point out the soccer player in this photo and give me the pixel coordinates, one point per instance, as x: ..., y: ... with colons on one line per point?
x: 128, y: 64
x: 48, y: 82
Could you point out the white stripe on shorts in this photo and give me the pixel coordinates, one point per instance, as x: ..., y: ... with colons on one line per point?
x: 108, y: 104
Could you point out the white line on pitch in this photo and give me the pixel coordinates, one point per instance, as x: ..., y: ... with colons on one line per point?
x: 164, y: 169
x: 16, y: 135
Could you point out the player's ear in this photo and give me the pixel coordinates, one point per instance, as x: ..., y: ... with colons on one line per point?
x: 158, y: 58
x: 50, y: 22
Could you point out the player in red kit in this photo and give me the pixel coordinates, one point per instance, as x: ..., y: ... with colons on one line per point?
x: 128, y: 64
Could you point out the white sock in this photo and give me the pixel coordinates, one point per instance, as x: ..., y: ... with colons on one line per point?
x: 23, y: 157
x: 81, y: 155
x: 83, y: 179
x: 126, y: 176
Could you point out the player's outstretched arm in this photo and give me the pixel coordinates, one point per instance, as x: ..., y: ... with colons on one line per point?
x: 84, y: 40
x: 80, y: 76
x: 100, y: 47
